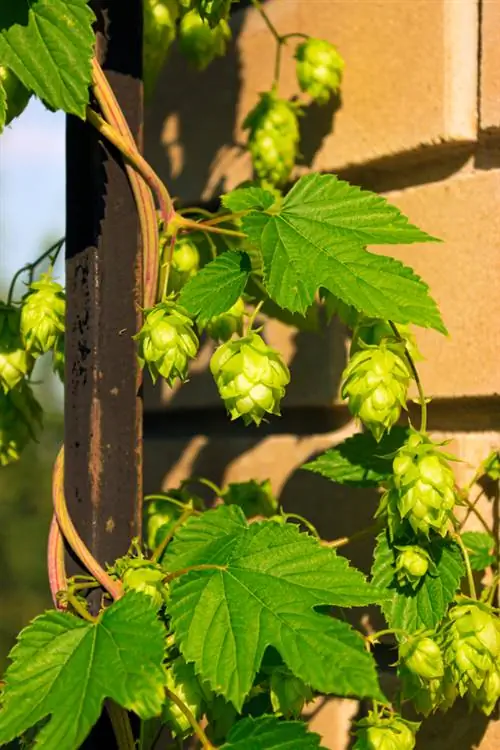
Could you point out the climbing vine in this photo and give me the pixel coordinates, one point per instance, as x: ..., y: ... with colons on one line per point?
x: 217, y: 624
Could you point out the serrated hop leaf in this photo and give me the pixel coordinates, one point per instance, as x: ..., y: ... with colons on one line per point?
x: 288, y: 693
x: 199, y: 42
x: 181, y: 680
x: 375, y: 383
x: 472, y: 646
x: 251, y: 378
x: 17, y: 95
x: 159, y: 517
x: 222, y: 327
x: 146, y: 577
x: 319, y: 69
x: 160, y: 18
x: 167, y: 342
x: 185, y: 264
x: 385, y: 733
x: 273, y: 138
x: 372, y: 331
x: 42, y: 315
x: 20, y: 420
x: 423, y: 657
x: 423, y: 486
x: 412, y: 563
x: 15, y: 361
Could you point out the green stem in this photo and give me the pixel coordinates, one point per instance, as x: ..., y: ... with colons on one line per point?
x: 196, y: 226
x: 387, y: 631
x: 303, y: 521
x: 52, y: 253
x: 192, y: 568
x: 167, y: 265
x: 471, y: 505
x: 280, y: 40
x: 205, y: 482
x: 79, y: 608
x: 295, y: 34
x: 468, y: 566
x: 194, y: 210
x: 173, y: 501
x: 416, y: 377
x: 343, y: 540
x: 205, y: 742
x: 121, y: 726
x: 224, y: 218
x: 253, y: 316
x: 157, y: 554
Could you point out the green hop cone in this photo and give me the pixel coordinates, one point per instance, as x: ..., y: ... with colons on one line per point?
x: 182, y: 680
x: 423, y: 486
x: 15, y: 361
x: 319, y: 69
x: 160, y: 18
x: 375, y: 383
x: 185, y: 264
x: 412, y: 563
x: 385, y: 733
x: 146, y: 577
x: 254, y: 498
x: 42, y: 315
x: 214, y: 11
x: 488, y: 695
x: 372, y: 331
x: 288, y: 693
x: 427, y: 696
x: 472, y: 646
x: 273, y: 138
x: 17, y: 96
x: 167, y: 342
x: 199, y: 42
x: 251, y: 378
x: 159, y: 517
x: 222, y: 327
x: 422, y: 656
x: 20, y: 419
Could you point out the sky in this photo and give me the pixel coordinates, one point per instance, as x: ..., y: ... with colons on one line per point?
x: 32, y: 202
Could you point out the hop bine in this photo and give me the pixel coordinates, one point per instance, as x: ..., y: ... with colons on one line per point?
x: 319, y: 69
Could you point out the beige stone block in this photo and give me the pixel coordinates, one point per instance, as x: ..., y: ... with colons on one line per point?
x: 490, y: 66
x: 410, y: 80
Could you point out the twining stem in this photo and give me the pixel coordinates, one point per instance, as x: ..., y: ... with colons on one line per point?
x: 343, y: 540
x: 204, y: 226
x: 157, y: 554
x: 198, y: 730
x: 79, y: 608
x: 121, y: 726
x: 468, y: 566
x: 472, y: 508
x: 55, y: 564
x: 192, y: 568
x: 172, y: 501
x: 416, y: 377
x: 52, y: 253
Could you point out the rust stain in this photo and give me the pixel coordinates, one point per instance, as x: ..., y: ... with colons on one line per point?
x: 110, y: 525
x: 95, y: 451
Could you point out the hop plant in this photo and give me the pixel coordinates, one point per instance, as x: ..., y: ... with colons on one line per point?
x: 20, y: 419
x: 147, y: 577
x: 372, y: 331
x: 199, y: 42
x: 160, y: 18
x: 319, y: 69
x: 251, y: 378
x: 412, y: 563
x: 185, y: 264
x: 385, y: 733
x: 422, y: 656
x: 167, y: 342
x: 472, y: 650
x: 42, y: 315
x: 17, y: 96
x: 15, y: 362
x: 428, y: 695
x: 159, y: 517
x: 486, y: 698
x: 273, y: 138
x: 213, y: 11
x: 423, y: 486
x: 288, y: 693
x: 375, y: 383
x: 222, y: 327
x: 182, y: 681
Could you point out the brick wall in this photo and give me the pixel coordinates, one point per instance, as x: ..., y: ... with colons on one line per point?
x: 419, y: 122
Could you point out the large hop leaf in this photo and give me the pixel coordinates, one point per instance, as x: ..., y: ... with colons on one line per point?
x: 167, y: 342
x: 20, y: 419
x: 423, y: 487
x: 251, y: 377
x: 319, y: 69
x: 15, y: 361
x: 199, y: 42
x: 42, y: 315
x: 375, y: 382
x: 16, y: 95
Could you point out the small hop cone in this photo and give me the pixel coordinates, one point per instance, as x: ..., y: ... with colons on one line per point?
x: 15, y: 362
x: 159, y: 516
x: 412, y: 563
x: 182, y: 680
x: 199, y: 42
x: 385, y: 733
x: 185, y: 264
x: 146, y: 577
x: 423, y: 486
x: 273, y: 139
x: 42, y: 315
x: 488, y: 695
x: 427, y: 696
x: 372, y: 331
x: 167, y: 342
x: 375, y: 383
x: 160, y: 18
x: 423, y: 657
x: 319, y: 69
x: 20, y: 420
x: 17, y: 95
x: 223, y: 327
x: 472, y: 646
x: 251, y: 378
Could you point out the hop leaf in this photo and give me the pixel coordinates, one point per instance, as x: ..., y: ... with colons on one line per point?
x: 15, y: 361
x: 385, y: 733
x: 199, y: 42
x: 214, y: 11
x: 251, y: 378
x: 20, y: 419
x: 167, y: 342
x: 160, y: 17
x: 319, y: 69
x: 273, y: 139
x: 185, y: 264
x: 254, y: 498
x: 375, y: 383
x: 222, y: 327
x: 289, y: 694
x: 182, y: 680
x: 42, y: 315
x: 412, y: 563
x: 17, y: 96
